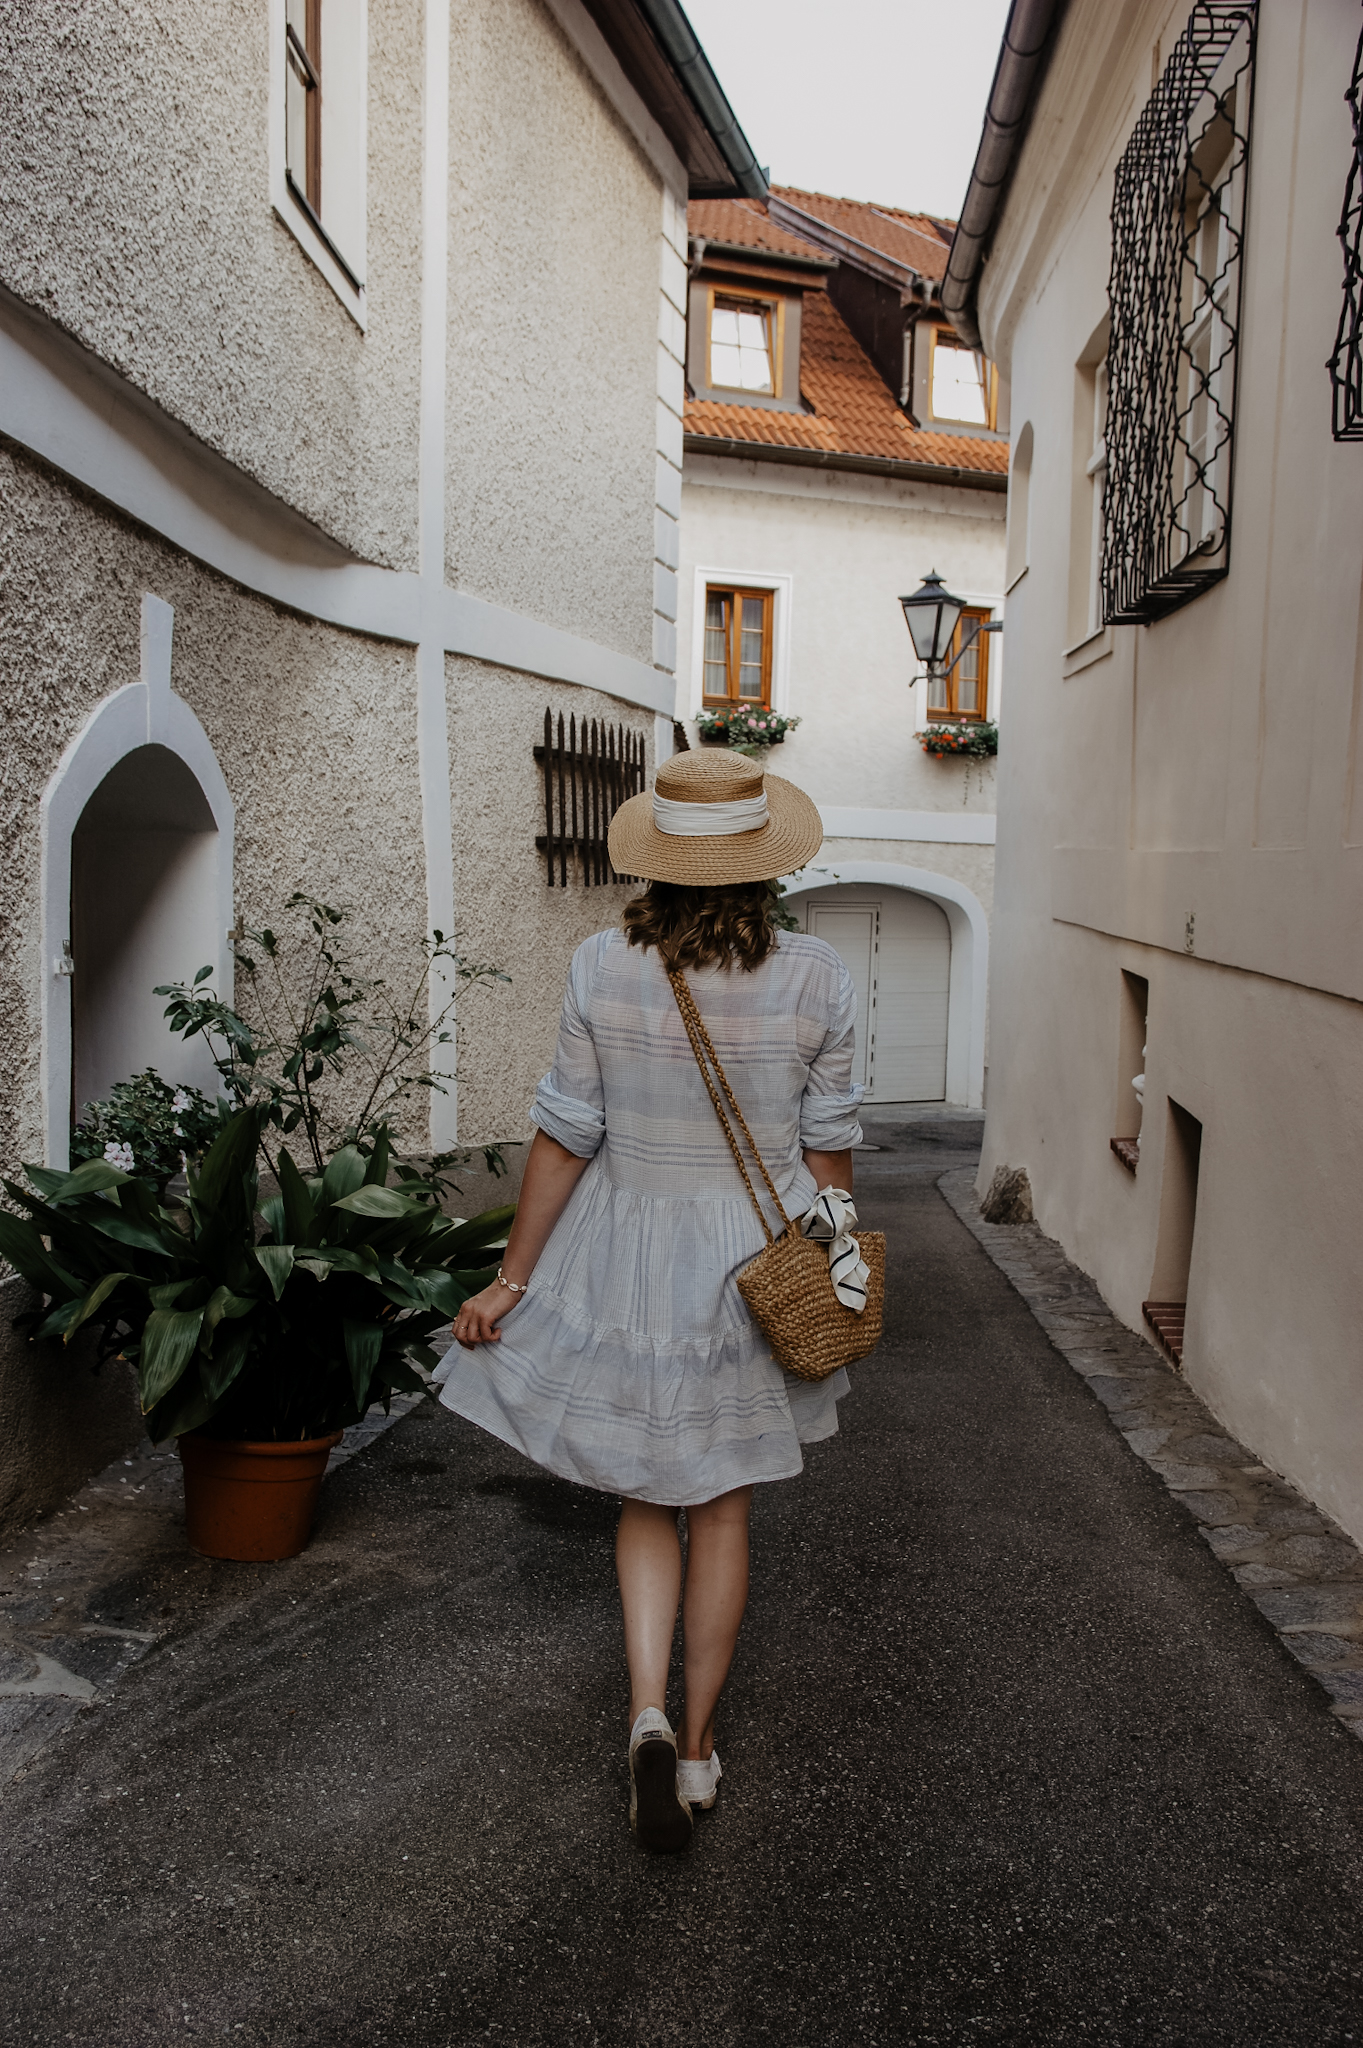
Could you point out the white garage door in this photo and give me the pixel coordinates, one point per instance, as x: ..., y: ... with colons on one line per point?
x: 897, y: 947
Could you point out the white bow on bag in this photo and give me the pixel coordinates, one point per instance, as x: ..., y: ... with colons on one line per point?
x: 830, y: 1222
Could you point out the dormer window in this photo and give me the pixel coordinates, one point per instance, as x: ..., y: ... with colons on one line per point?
x: 962, y: 385
x: 741, y: 345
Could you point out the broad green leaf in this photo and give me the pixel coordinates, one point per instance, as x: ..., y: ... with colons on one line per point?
x: 376, y: 1172
x: 445, y: 1293
x: 187, y: 1406
x: 91, y: 1177
x: 277, y: 1262
x: 315, y: 1263
x: 224, y: 1306
x: 344, y: 1174
x: 424, y: 1355
x: 167, y: 1296
x: 48, y: 1180
x: 273, y: 1213
x: 489, y: 1228
x: 97, y: 1296
x: 372, y: 1201
x: 22, y: 1246
x: 113, y: 1224
x: 300, y: 1216
x: 363, y: 1345
x: 474, y: 1283
x: 169, y: 1338
x: 228, y: 1158
x: 230, y: 1352
x: 58, y: 1320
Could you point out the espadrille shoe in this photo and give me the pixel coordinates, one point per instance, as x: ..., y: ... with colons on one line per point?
x: 698, y: 1779
x: 658, y: 1812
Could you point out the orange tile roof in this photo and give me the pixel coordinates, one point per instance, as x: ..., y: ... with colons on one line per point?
x: 744, y: 222
x: 853, y: 412
x: 918, y: 240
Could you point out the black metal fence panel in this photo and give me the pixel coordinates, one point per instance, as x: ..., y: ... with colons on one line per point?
x: 588, y: 772
x: 1346, y: 364
x: 1178, y: 224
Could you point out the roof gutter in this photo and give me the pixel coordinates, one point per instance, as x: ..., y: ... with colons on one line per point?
x: 1028, y: 40
x: 863, y: 465
x: 678, y: 40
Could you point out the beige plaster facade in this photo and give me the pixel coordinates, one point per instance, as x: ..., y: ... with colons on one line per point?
x: 838, y: 548
x: 1180, y: 849
x: 327, y: 544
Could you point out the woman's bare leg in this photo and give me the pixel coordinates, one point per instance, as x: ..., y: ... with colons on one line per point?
x: 648, y: 1565
x: 716, y: 1595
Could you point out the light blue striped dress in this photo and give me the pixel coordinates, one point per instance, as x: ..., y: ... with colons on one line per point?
x: 633, y: 1365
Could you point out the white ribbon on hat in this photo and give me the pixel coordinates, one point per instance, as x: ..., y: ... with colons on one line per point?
x: 830, y: 1222
x: 709, y: 821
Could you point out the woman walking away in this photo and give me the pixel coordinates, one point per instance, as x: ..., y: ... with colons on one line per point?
x: 614, y: 1347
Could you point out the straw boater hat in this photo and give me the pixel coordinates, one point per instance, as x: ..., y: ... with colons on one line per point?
x: 714, y: 818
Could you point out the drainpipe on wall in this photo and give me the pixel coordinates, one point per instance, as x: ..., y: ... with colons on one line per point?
x: 1027, y: 43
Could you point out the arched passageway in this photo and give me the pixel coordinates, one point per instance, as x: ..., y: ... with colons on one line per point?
x: 144, y: 902
x: 916, y: 944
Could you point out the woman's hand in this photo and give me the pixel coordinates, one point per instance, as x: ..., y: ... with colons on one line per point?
x: 477, y: 1320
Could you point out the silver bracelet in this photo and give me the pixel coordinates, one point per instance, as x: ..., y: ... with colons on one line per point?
x: 510, y: 1285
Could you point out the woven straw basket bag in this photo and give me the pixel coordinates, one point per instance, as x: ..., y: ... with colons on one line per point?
x: 788, y: 1287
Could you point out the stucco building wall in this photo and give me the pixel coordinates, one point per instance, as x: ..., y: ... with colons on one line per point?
x: 850, y: 545
x: 140, y: 221
x: 1181, y: 805
x: 554, y: 263
x: 507, y: 913
x: 314, y: 729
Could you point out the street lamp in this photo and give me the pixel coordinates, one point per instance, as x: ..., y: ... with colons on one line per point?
x: 932, y: 615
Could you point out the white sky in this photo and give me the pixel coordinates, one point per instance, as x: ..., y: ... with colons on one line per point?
x: 866, y: 99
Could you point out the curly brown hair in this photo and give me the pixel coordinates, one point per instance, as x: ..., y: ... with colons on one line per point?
x: 704, y: 927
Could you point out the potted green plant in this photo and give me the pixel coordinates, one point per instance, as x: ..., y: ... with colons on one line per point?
x: 259, y: 1329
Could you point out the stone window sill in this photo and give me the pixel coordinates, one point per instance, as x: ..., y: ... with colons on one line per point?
x: 1096, y: 647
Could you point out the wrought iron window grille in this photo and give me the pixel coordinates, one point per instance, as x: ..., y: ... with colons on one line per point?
x: 1178, y: 224
x: 588, y: 772
x: 1346, y: 364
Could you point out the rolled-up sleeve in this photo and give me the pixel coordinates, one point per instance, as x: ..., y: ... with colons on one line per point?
x: 829, y: 1105
x: 569, y: 1104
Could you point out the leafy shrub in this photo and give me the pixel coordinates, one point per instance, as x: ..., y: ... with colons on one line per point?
x: 146, y: 1126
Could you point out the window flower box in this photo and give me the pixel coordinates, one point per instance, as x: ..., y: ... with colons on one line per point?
x: 743, y: 728
x: 975, y: 739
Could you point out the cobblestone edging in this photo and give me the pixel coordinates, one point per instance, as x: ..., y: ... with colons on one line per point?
x: 1301, y: 1571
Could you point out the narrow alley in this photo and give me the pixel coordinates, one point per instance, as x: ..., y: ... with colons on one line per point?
x: 1008, y: 1755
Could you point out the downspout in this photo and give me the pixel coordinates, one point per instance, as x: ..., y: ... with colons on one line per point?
x: 1027, y: 43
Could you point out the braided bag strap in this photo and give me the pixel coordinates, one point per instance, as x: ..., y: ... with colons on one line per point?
x: 702, y: 1047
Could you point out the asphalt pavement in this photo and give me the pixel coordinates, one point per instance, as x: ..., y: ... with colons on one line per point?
x: 1008, y: 1756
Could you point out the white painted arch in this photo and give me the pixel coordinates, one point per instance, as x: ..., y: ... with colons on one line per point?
x: 144, y: 713
x: 969, y: 986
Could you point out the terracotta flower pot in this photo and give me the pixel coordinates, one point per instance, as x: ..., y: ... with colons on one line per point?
x: 252, y: 1502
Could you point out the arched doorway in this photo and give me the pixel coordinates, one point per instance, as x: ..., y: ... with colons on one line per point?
x: 897, y: 947
x: 929, y: 996
x: 144, y: 887
x: 137, y: 837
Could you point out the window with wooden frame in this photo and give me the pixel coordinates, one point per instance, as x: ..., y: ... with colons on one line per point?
x: 963, y: 694
x: 303, y: 101
x: 962, y: 386
x: 745, y: 343
x: 738, y: 637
